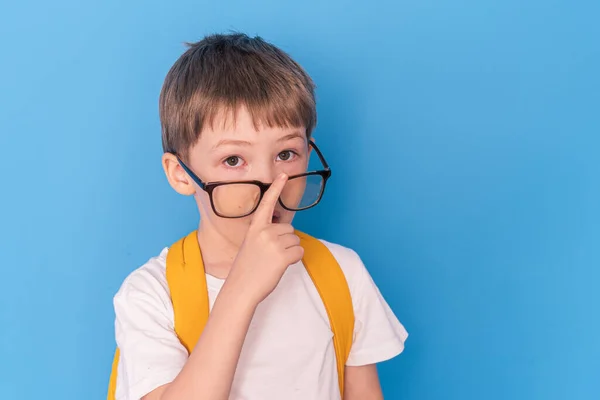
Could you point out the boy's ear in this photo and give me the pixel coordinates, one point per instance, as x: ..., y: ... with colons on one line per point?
x: 177, y: 177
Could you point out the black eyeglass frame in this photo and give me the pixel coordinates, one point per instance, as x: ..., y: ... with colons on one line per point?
x: 209, y: 187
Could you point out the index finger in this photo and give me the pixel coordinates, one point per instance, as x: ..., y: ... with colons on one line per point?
x: 264, y: 212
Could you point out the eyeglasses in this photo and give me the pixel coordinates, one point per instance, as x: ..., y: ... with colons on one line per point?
x: 237, y: 199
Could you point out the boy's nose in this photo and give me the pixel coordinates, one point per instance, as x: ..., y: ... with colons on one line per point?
x: 267, y: 175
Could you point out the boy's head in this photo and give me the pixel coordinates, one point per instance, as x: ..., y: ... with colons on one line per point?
x: 235, y: 108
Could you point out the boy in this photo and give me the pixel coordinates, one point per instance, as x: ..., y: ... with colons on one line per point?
x: 235, y: 109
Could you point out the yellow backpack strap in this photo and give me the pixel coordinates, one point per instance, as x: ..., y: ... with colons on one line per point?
x: 112, y: 383
x: 189, y: 294
x: 330, y: 281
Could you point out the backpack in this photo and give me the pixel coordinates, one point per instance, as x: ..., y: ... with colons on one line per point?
x: 189, y: 294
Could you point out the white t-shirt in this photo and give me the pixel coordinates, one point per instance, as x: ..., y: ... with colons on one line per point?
x: 288, y: 352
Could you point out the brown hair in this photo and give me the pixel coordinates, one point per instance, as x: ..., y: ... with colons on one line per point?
x: 222, y: 73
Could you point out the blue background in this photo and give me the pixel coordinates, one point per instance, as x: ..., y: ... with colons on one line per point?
x: 464, y: 137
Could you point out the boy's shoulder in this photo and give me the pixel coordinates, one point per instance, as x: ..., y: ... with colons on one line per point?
x: 147, y: 282
x: 350, y: 263
x: 150, y: 277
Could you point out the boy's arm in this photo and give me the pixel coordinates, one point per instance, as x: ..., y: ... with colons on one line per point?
x: 362, y: 383
x: 378, y: 334
x: 267, y: 251
x: 211, y: 365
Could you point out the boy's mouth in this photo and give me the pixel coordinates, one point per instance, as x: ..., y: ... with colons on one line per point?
x: 276, y: 217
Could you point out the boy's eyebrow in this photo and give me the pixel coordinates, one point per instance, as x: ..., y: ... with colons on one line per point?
x: 224, y: 142
x: 291, y: 136
x: 233, y: 142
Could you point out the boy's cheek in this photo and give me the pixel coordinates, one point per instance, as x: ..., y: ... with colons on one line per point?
x: 234, y: 229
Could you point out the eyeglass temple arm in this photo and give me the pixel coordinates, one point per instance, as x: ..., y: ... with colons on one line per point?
x: 191, y: 173
x: 314, y: 146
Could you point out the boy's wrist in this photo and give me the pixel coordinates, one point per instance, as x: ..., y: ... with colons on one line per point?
x: 239, y: 293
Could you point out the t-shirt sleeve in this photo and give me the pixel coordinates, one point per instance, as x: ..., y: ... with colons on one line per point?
x: 150, y: 353
x: 378, y: 334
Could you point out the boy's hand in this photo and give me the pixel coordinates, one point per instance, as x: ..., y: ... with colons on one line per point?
x: 268, y: 249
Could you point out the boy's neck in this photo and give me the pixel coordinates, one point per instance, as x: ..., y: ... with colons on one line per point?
x: 218, y: 253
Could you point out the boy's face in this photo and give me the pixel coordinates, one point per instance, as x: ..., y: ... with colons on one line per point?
x: 239, y: 152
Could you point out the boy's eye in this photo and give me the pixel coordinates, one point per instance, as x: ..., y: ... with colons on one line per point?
x: 285, y: 155
x: 232, y: 161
